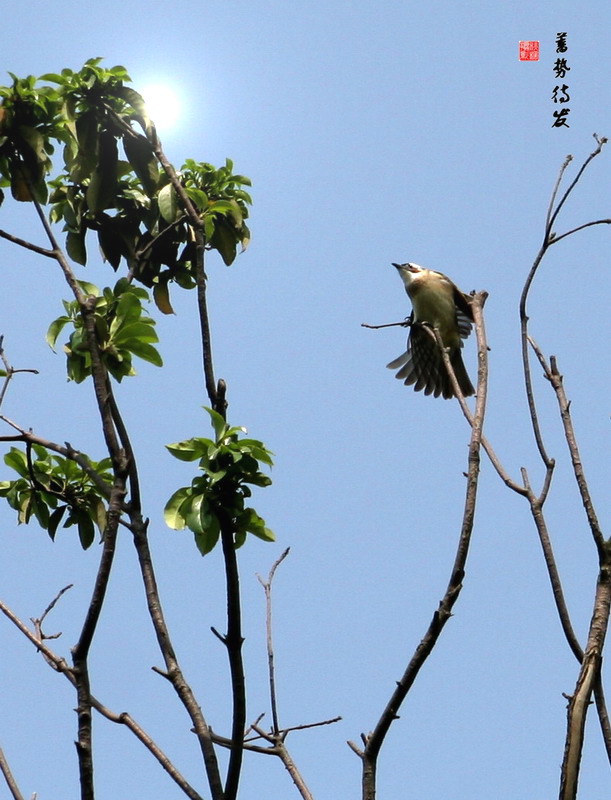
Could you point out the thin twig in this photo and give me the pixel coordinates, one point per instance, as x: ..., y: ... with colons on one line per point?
x: 267, y: 588
x: 555, y: 378
x: 405, y: 324
x: 10, y: 371
x: 559, y: 238
x: 600, y: 141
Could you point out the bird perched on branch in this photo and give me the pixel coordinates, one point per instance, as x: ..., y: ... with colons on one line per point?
x: 437, y: 303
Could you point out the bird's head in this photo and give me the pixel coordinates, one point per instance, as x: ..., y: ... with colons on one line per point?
x: 409, y: 272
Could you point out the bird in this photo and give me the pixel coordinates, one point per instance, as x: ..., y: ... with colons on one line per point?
x: 437, y: 303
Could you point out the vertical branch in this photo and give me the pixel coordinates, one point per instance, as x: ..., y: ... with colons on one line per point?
x: 373, y: 742
x: 8, y: 777
x: 174, y: 673
x: 98, y: 371
x: 216, y: 392
x: 586, y: 682
x: 267, y: 588
x: 218, y: 404
x: 554, y: 376
x: 233, y: 641
x: 80, y: 652
x: 589, y: 680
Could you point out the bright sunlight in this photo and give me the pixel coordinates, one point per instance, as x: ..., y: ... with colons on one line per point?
x: 162, y: 104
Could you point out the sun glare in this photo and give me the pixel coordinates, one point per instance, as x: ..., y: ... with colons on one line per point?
x: 162, y: 104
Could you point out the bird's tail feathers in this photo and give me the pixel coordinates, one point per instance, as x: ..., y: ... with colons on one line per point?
x: 466, y: 387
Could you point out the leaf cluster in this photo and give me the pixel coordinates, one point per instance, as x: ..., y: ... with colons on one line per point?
x: 215, y: 499
x: 54, y: 489
x: 110, y: 183
x: 122, y: 327
x: 30, y: 119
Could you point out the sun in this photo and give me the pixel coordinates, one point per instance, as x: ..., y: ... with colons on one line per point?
x: 162, y: 105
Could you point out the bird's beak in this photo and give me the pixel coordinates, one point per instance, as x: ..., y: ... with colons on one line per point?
x: 398, y: 266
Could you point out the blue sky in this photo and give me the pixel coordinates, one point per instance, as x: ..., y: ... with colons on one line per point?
x: 373, y: 133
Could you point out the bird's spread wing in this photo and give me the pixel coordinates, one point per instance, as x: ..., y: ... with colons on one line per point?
x: 464, y: 324
x: 422, y: 364
x: 464, y: 312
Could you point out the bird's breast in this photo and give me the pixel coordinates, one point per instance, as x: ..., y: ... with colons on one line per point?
x: 433, y: 302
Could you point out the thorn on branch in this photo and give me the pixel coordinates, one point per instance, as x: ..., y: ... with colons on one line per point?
x: 218, y: 635
x: 355, y: 749
x: 162, y: 672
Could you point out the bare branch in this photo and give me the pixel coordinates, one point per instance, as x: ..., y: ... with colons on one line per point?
x: 8, y: 777
x: 559, y: 238
x: 588, y: 676
x: 42, y: 251
x: 10, y: 371
x: 267, y: 588
x: 174, y: 673
x: 374, y: 740
x: 600, y: 141
x: 405, y: 324
x: 550, y: 208
x: 555, y: 378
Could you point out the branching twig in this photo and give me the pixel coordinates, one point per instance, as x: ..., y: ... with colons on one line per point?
x: 589, y: 680
x: 10, y: 371
x: 555, y: 378
x: 60, y: 665
x: 267, y: 588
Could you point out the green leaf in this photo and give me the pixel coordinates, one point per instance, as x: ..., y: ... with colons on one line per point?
x: 172, y: 514
x: 189, y: 449
x: 86, y: 531
x: 161, y: 295
x: 193, y: 515
x: 145, y: 351
x: 16, y: 459
x: 169, y: 207
x: 75, y: 247
x: 55, y: 328
x: 54, y: 520
x: 218, y: 423
x: 102, y: 190
x: 142, y: 331
x: 207, y: 539
x: 224, y: 241
x: 139, y: 153
x: 110, y: 245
